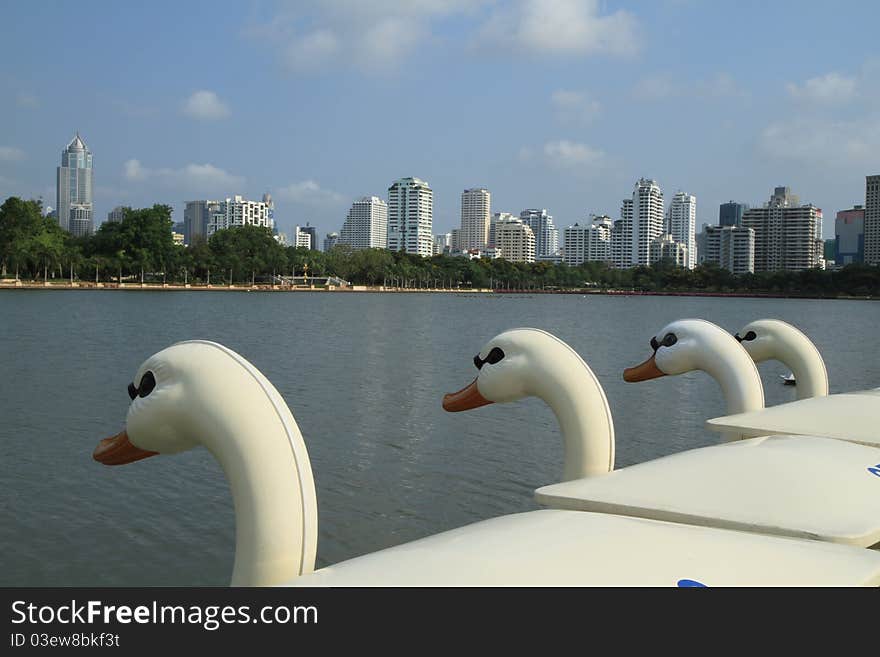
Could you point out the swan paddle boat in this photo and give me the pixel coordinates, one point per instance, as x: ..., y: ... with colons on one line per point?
x: 850, y: 416
x: 200, y: 393
x: 806, y: 487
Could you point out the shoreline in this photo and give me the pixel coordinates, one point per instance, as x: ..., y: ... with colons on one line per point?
x: 174, y: 287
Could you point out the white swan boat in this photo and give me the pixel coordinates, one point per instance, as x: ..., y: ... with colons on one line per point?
x: 807, y: 487
x: 203, y: 394
x: 851, y: 416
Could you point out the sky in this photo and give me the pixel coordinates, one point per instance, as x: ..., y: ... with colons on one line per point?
x: 557, y: 104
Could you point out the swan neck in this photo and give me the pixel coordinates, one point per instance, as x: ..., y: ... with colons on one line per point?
x: 576, y: 398
x: 274, y: 532
x: 805, y: 362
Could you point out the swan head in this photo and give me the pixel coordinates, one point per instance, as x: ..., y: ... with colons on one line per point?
x: 510, y: 368
x: 166, y: 394
x: 682, y: 346
x: 764, y: 339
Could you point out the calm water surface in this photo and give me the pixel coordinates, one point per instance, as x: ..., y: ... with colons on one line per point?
x: 363, y: 375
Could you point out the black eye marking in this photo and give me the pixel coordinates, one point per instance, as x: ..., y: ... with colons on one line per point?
x: 669, y: 339
x: 148, y: 382
x: 748, y: 337
x: 654, y: 344
x: 494, y: 356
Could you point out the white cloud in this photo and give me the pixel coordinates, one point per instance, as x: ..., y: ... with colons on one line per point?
x: 568, y: 154
x: 312, y: 50
x: 205, y: 105
x: 827, y: 89
x: 11, y: 154
x: 376, y: 35
x: 26, y: 100
x: 841, y: 144
x: 132, y: 170
x: 309, y: 192
x: 720, y: 86
x: 575, y: 105
x: 562, y: 27
x: 195, y: 178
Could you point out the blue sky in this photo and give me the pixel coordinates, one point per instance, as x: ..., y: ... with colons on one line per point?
x: 560, y: 104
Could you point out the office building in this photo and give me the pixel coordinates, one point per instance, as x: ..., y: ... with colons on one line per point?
x: 731, y: 213
x: 196, y: 216
x: 306, y: 236
x: 116, y: 215
x: 849, y: 236
x: 73, y: 186
x: 330, y: 240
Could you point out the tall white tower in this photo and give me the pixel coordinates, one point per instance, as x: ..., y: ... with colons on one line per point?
x: 475, y: 214
x: 647, y: 219
x: 411, y: 217
x: 366, y: 226
x: 682, y: 224
x: 74, y: 189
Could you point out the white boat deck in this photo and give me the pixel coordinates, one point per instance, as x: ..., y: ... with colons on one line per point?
x: 572, y: 548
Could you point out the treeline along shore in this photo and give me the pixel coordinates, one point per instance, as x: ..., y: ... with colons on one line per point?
x: 139, y: 253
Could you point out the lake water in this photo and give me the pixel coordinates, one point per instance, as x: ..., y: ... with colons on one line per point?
x: 364, y: 375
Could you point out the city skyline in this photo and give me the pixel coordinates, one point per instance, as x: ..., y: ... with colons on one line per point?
x: 264, y: 113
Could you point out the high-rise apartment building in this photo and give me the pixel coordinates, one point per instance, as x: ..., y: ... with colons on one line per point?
x: 306, y: 236
x: 237, y: 211
x: 545, y: 232
x: 729, y: 247
x: 681, y: 224
x: 647, y: 219
x: 849, y: 236
x: 476, y: 210
x: 731, y: 213
x: 74, y: 182
x: 515, y: 241
x: 498, y: 216
x: 788, y: 236
x: 621, y: 237
x: 588, y: 242
x: 411, y: 217
x: 664, y: 247
x: 116, y: 215
x: 872, y: 220
x: 366, y: 226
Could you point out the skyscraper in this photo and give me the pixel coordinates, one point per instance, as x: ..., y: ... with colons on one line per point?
x: 116, y: 215
x: 682, y: 224
x: 239, y: 211
x: 196, y: 216
x: 849, y: 236
x: 411, y: 217
x: 788, y: 236
x: 366, y: 226
x: 330, y: 240
x: 731, y: 213
x: 872, y: 220
x: 475, y: 214
x: 729, y: 247
x: 546, y: 233
x: 647, y: 219
x: 306, y: 236
x: 74, y: 189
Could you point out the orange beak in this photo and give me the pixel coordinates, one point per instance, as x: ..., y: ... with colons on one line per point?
x: 465, y: 399
x: 644, y: 372
x: 118, y: 450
